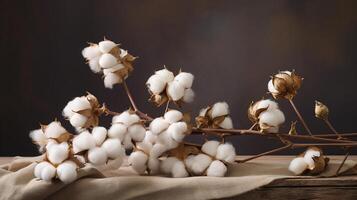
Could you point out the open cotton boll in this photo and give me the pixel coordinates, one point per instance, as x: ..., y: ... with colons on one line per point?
x: 203, y: 112
x: 166, y: 139
x: 106, y: 45
x: 48, y: 172
x: 57, y: 153
x: 167, y: 164
x: 156, y: 84
x: 175, y: 90
x: 94, y: 65
x: 185, y: 79
x: 144, y: 146
x: 107, y: 60
x: 113, y: 69
x: 308, y: 157
x: 153, y: 165
x: 38, y: 137
x: 137, y: 132
x: 219, y: 109
x: 271, y: 87
x: 113, y: 148
x: 67, y: 172
x: 217, y: 169
x: 83, y: 141
x: 200, y: 164
x: 226, y: 123
x: 126, y: 118
x: 226, y: 152
x: 267, y: 103
x: 158, y: 125
x: 157, y: 150
x: 188, y: 96
x: 91, y: 52
x: 111, y: 79
x: 173, y: 116
x: 150, y: 137
x: 166, y: 75
x: 210, y: 147
x: 99, y: 134
x: 298, y: 165
x: 138, y: 161
x: 78, y: 120
x: 54, y: 130
x: 272, y: 117
x: 179, y: 170
x: 75, y: 105
x: 97, y: 156
x: 117, y: 131
x: 39, y: 167
x: 177, y: 131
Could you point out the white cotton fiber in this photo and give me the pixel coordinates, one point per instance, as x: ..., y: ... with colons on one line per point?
x: 219, y: 109
x: 153, y: 165
x: 177, y: 131
x: 123, y: 53
x: 200, y: 164
x: 226, y: 152
x: 94, y: 65
x: 156, y: 84
x: 38, y: 137
x: 113, y: 148
x: 137, y: 132
x: 175, y: 90
x: 272, y: 117
x: 157, y: 150
x: 91, y: 52
x: 138, y: 161
x: 179, y: 170
x: 298, y: 166
x: 203, y: 111
x: 111, y: 79
x: 75, y: 105
x: 117, y: 131
x: 166, y: 75
x: 57, y: 153
x: 112, y: 69
x: 144, y: 146
x: 271, y: 87
x: 78, y: 120
x: 48, y: 172
x: 67, y: 172
x: 185, y: 79
x: 267, y: 103
x: 126, y: 118
x: 83, y: 141
x: 172, y: 116
x: 210, y: 147
x: 106, y: 45
x: 226, y: 123
x: 39, y: 167
x: 189, y: 161
x: 158, y: 125
x: 150, y: 137
x: 127, y: 142
x: 166, y: 139
x: 188, y: 96
x: 107, y: 60
x: 217, y: 169
x: 308, y: 157
x: 99, y: 134
x: 167, y: 164
x: 97, y: 156
x: 54, y: 130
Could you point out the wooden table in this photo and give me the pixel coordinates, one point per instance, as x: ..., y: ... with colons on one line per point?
x: 343, y: 187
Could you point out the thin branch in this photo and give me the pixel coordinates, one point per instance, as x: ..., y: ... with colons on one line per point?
x: 332, y: 128
x: 127, y: 91
x: 343, y: 162
x: 300, y: 117
x: 265, y: 153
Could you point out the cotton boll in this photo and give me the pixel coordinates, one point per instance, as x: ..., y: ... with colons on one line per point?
x: 200, y: 164
x: 226, y: 123
x: 137, y: 132
x: 113, y: 69
x: 189, y: 161
x: 145, y: 147
x: 138, y: 160
x: 83, y: 141
x: 77, y: 104
x: 126, y: 118
x: 308, y: 157
x: 38, y: 137
x: 150, y: 137
x: 39, y: 167
x: 167, y: 164
x: 117, y: 131
x: 127, y: 142
x: 272, y: 117
x: 107, y: 60
x: 156, y: 84
x: 267, y: 103
x: 177, y: 130
x: 97, y: 156
x: 67, y: 172
x: 219, y: 109
x: 113, y: 148
x: 175, y: 90
x: 57, y: 153
x: 179, y: 170
x: 157, y: 150
x: 203, y: 112
x: 166, y: 139
x: 111, y: 79
x: 188, y: 96
x: 158, y: 125
x: 48, y: 172
x: 91, y: 52
x: 153, y: 165
x: 106, y: 45
x: 210, y: 147
x: 217, y: 169
x: 54, y: 130
x: 78, y: 120
x: 185, y: 79
x: 298, y: 166
x: 94, y: 65
x: 226, y: 152
x: 271, y: 87
x: 173, y: 116
x: 166, y: 75
x: 99, y: 134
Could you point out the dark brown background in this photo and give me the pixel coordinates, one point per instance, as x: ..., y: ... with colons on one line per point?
x: 232, y: 47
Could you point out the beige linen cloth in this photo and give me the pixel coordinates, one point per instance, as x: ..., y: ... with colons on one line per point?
x: 17, y: 182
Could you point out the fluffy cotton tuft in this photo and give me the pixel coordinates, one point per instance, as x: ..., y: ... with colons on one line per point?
x: 67, y: 172
x: 166, y: 139
x: 137, y: 132
x: 271, y: 87
x: 99, y: 134
x: 54, y: 130
x: 210, y: 147
x: 173, y: 116
x: 97, y: 156
x: 83, y: 141
x: 178, y: 170
x: 106, y: 45
x: 75, y: 105
x: 117, y: 131
x: 78, y: 120
x: 175, y: 90
x: 177, y: 131
x: 57, y: 153
x: 308, y: 157
x: 200, y: 164
x: 272, y: 118
x: 45, y: 171
x: 188, y: 96
x: 94, y: 65
x: 111, y: 79
x: 217, y: 169
x: 219, y: 109
x: 91, y: 52
x: 298, y: 166
x: 38, y: 137
x: 226, y: 123
x: 153, y: 165
x: 166, y: 75
x: 167, y: 164
x: 113, y: 148
x: 267, y: 103
x: 126, y: 118
x: 158, y: 125
x: 185, y: 79
x: 156, y: 84
x: 107, y: 60
x: 150, y: 137
x: 138, y: 160
x: 226, y: 152
x: 157, y: 150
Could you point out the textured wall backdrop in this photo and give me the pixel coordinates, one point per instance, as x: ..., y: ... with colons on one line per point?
x: 232, y: 47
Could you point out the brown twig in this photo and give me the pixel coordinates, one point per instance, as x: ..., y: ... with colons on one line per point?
x: 265, y: 153
x: 332, y: 128
x: 343, y: 162
x: 300, y: 116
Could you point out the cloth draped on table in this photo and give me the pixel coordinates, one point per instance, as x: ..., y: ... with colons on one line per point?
x: 18, y: 182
